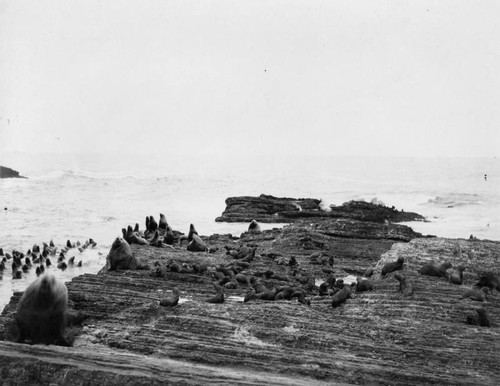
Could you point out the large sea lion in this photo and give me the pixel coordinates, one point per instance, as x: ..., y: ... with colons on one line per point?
x: 490, y: 280
x: 120, y: 256
x: 41, y: 314
x: 393, y: 266
x: 363, y: 285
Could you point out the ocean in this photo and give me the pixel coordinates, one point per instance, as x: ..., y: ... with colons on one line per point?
x: 77, y: 197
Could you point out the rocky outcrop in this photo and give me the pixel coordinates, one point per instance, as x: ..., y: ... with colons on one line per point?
x: 121, y: 334
x: 9, y: 173
x: 270, y: 209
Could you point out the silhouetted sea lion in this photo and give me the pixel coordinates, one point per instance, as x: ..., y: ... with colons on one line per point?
x: 432, y: 269
x: 340, y: 297
x: 171, y: 301
x: 393, y: 266
x: 152, y: 224
x: 169, y: 237
x: 254, y: 227
x: 120, y: 256
x: 163, y: 222
x: 41, y: 314
x: 404, y: 285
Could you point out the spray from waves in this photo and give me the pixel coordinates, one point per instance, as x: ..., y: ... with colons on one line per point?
x: 453, y: 200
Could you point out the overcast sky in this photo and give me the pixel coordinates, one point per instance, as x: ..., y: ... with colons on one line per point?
x: 263, y: 77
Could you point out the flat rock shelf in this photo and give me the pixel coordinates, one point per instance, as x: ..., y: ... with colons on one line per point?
x: 121, y: 335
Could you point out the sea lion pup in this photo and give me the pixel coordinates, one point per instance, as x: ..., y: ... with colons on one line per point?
x: 479, y: 317
x: 120, y: 256
x: 340, y: 297
x: 197, y: 244
x: 432, y: 269
x: 254, y: 227
x: 219, y: 297
x: 41, y: 314
x: 455, y: 275
x: 404, y: 285
x: 171, y: 301
x: 490, y: 280
x: 478, y: 295
x: 163, y: 224
x: 363, y: 285
x: 393, y: 266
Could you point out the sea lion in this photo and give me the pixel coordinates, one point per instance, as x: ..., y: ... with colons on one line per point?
x: 432, y: 269
x: 120, y: 256
x: 41, y: 314
x: 169, y: 237
x: 171, y: 301
x: 254, y: 227
x: 163, y: 224
x: 455, y: 275
x: 219, y: 297
x: 490, y: 280
x: 134, y: 237
x: 285, y: 293
x: 479, y: 317
x: 340, y: 297
x: 478, y: 295
x: 152, y: 224
x: 197, y: 244
x: 363, y: 285
x: 393, y: 266
x: 404, y: 285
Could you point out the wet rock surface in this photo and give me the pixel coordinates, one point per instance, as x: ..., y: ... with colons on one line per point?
x: 122, y: 335
x: 270, y: 209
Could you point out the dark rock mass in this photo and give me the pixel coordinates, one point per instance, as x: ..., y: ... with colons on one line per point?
x: 9, y: 173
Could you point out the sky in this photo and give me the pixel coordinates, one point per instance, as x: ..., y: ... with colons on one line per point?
x: 391, y: 78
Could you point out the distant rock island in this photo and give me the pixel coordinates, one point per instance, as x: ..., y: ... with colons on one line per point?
x: 9, y: 173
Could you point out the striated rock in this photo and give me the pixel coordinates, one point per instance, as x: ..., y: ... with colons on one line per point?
x: 121, y: 335
x: 6, y: 172
x: 270, y: 209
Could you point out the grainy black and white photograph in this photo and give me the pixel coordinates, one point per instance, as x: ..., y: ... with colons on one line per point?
x: 249, y: 192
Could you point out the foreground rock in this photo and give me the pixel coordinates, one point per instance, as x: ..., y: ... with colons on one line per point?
x: 9, y: 173
x: 270, y: 209
x: 122, y: 335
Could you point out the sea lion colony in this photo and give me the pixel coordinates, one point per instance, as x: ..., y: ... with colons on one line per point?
x: 235, y: 274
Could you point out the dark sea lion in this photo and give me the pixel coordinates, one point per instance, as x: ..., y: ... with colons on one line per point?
x: 1, y: 252
x: 479, y: 318
x: 250, y: 295
x: 254, y: 227
x: 2, y: 266
x: 69, y: 244
x: 152, y: 225
x: 171, y: 301
x: 48, y: 263
x: 169, y: 237
x: 41, y: 314
x: 285, y: 293
x: 476, y: 294
x: 323, y: 289
x: 25, y: 268
x: 405, y: 287
x: 62, y: 266
x: 147, y: 223
x: 490, y: 280
x: 163, y: 224
x: 219, y: 297
x: 120, y: 256
x: 393, y: 266
x: 432, y: 269
x: 197, y: 244
x: 363, y: 285
x: 133, y: 237
x: 455, y: 275
x: 340, y: 297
